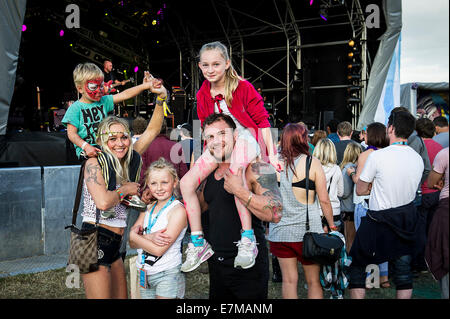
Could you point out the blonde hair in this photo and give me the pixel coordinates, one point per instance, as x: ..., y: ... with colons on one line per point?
x: 162, y: 164
x: 231, y: 76
x: 103, y: 133
x: 84, y: 72
x: 325, y: 151
x: 351, y: 154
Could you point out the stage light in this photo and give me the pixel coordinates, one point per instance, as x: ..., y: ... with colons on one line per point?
x: 136, y: 68
x: 24, y: 28
x: 353, y: 65
x: 154, y: 22
x: 311, y: 2
x: 124, y: 71
x: 351, y: 43
x: 71, y: 45
x: 353, y: 76
x: 106, y: 13
x: 61, y: 33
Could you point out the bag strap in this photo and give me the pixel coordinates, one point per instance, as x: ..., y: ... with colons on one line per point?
x: 308, y: 165
x: 76, y: 204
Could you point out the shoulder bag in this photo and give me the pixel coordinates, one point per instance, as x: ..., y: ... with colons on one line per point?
x: 83, y: 242
x: 323, y: 249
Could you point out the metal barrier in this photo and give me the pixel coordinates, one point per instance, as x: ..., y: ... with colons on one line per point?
x: 20, y: 212
x: 35, y: 205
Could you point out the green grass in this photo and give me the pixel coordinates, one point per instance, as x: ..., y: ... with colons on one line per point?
x: 52, y: 285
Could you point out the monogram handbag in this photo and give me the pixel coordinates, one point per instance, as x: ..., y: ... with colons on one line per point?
x: 83, y: 242
x: 323, y: 249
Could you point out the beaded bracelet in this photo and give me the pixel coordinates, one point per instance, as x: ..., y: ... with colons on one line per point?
x: 121, y: 195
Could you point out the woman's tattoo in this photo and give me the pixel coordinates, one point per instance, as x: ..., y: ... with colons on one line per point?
x: 92, y: 170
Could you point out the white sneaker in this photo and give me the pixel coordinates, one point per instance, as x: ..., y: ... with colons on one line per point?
x: 196, y: 255
x: 247, y: 252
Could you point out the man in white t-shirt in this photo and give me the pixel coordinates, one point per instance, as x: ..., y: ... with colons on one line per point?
x: 391, y: 176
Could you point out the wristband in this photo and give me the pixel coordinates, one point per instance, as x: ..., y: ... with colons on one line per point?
x: 249, y: 199
x: 160, y: 99
x: 83, y: 145
x: 121, y: 195
x: 352, y: 173
x: 333, y: 228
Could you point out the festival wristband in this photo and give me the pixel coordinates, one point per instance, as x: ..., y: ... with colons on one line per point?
x: 161, y: 99
x: 83, y: 145
x: 121, y: 195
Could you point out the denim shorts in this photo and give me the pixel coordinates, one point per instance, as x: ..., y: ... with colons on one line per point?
x: 108, y: 245
x: 169, y: 283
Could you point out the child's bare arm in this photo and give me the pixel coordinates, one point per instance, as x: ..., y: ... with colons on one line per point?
x: 130, y: 93
x: 72, y: 134
x: 268, y: 140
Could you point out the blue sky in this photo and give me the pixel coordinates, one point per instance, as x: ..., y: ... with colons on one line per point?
x: 425, y: 41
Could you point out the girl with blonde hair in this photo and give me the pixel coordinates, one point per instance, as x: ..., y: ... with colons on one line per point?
x: 350, y: 159
x: 325, y: 152
x: 159, y: 257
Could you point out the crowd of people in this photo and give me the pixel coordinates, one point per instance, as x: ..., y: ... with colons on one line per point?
x: 245, y: 197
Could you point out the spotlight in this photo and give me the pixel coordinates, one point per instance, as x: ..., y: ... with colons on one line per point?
x: 136, y: 68
x: 354, y: 76
x: 351, y: 43
x: 353, y: 65
x: 61, y: 33
x: 24, y: 28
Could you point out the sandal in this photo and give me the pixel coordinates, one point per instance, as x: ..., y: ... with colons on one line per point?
x: 385, y: 284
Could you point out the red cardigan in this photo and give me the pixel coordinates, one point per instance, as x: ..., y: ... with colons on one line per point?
x: 247, y: 107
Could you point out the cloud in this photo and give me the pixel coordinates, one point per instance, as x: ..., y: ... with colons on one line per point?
x: 425, y: 41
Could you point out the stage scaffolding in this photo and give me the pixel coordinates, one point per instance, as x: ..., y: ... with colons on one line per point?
x: 288, y: 56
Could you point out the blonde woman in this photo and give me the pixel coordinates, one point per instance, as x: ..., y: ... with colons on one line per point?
x: 224, y: 91
x: 325, y: 152
x: 108, y: 178
x: 351, y: 155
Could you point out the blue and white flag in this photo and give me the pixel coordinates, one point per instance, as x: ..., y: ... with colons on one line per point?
x: 390, y: 97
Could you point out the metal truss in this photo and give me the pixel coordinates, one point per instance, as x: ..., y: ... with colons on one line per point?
x: 286, y: 58
x: 358, y: 24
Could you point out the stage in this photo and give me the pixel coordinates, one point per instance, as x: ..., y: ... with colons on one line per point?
x: 22, y: 149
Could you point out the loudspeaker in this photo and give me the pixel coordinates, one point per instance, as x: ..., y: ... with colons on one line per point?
x: 327, y: 117
x: 177, y: 107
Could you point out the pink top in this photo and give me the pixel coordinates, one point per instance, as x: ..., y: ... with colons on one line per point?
x: 433, y: 148
x: 440, y: 165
